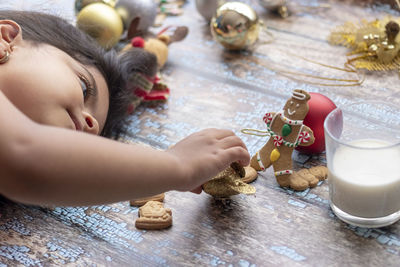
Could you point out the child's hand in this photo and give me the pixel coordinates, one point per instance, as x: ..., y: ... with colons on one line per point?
x: 204, y: 154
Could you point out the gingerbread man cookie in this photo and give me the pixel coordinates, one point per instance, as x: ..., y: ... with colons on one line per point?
x: 287, y: 131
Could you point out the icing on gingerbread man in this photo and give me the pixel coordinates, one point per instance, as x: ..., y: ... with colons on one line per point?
x: 286, y: 130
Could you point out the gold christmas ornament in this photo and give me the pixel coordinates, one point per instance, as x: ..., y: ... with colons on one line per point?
x: 375, y: 45
x: 101, y: 22
x: 235, y: 25
x: 79, y: 4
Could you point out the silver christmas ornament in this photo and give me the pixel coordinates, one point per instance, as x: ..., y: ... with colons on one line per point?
x: 146, y: 10
x: 272, y: 4
x: 207, y: 8
x: 277, y: 6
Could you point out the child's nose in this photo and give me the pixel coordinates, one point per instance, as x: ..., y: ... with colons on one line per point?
x: 90, y: 125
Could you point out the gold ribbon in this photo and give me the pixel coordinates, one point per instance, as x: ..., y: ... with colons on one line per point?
x: 255, y: 132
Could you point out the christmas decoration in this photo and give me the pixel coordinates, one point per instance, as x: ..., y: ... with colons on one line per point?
x: 230, y: 182
x: 375, y: 45
x: 79, y: 4
x: 235, y: 25
x: 284, y: 8
x: 158, y: 45
x: 145, y: 11
x: 207, y: 8
x: 279, y: 148
x: 276, y: 6
x: 170, y: 7
x: 101, y: 22
x: 151, y: 88
x: 319, y: 107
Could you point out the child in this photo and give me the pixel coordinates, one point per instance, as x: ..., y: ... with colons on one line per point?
x: 58, y: 91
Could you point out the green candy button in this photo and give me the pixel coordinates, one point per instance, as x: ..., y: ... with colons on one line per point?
x: 286, y: 130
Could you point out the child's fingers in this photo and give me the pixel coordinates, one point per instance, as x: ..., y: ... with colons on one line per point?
x: 232, y: 141
x: 220, y: 133
x: 239, y: 154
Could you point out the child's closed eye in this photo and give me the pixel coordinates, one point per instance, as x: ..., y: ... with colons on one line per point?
x: 87, y: 87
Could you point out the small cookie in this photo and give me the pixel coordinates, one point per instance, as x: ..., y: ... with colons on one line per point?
x: 153, y: 216
x: 141, y: 201
x: 251, y: 175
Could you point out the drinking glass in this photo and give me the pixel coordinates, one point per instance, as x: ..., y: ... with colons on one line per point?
x: 363, y: 160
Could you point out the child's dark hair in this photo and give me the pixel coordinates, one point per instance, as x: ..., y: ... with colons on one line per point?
x: 52, y: 30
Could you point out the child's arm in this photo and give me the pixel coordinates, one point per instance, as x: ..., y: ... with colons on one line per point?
x: 48, y: 165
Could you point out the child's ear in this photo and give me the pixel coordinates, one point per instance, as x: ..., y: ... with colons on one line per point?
x: 10, y: 34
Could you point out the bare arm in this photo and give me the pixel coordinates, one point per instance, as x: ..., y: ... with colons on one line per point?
x: 48, y: 165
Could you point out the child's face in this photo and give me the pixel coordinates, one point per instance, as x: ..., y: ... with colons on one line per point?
x: 52, y: 88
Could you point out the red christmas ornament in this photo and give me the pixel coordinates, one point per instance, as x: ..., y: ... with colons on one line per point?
x: 319, y: 107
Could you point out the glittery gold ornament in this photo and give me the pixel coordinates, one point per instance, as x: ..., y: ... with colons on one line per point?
x: 101, y: 22
x: 228, y: 183
x: 375, y: 45
x: 79, y: 4
x: 235, y: 25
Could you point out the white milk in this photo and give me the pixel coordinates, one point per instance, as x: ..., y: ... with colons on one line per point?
x: 366, y: 183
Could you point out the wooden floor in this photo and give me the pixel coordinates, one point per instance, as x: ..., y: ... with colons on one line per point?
x: 211, y: 87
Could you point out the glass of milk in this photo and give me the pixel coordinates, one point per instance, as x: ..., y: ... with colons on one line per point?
x: 363, y: 158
